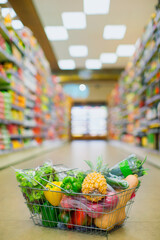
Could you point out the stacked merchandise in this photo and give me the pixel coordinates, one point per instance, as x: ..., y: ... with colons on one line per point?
x: 61, y: 110
x: 114, y: 114
x: 26, y: 90
x: 137, y: 116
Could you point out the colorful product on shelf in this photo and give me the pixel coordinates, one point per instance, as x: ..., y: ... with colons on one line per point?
x: 27, y: 91
x: 135, y: 117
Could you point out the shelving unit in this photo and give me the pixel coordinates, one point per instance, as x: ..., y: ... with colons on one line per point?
x: 27, y: 93
x: 134, y: 112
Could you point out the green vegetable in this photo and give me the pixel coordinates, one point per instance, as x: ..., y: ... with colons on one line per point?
x: 32, y: 178
x: 71, y: 185
x: 49, y: 215
x: 130, y: 165
x: 81, y: 176
x: 77, y: 174
x: 116, y: 182
x: 98, y: 167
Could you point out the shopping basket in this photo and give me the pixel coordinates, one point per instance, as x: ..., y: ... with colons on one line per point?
x: 75, y: 212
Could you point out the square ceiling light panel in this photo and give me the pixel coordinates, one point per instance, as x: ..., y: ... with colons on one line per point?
x: 78, y: 51
x: 108, y: 58
x: 125, y: 50
x: 56, y: 33
x: 17, y: 24
x: 67, y: 64
x: 93, y: 64
x: 3, y: 1
x: 74, y: 20
x: 114, y: 31
x: 6, y: 11
x: 95, y: 7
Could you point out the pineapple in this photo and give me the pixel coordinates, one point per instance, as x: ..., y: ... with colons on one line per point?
x: 95, y: 183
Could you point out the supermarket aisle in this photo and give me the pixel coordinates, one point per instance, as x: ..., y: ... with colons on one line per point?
x: 144, y: 219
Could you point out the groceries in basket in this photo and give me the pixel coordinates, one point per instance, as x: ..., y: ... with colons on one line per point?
x: 72, y: 199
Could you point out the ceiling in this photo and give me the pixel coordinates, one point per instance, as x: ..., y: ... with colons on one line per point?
x: 134, y: 14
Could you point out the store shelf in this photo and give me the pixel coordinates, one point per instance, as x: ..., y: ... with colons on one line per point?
x: 4, y: 56
x: 154, y: 123
x: 15, y: 75
x: 29, y: 125
x: 151, y: 75
x: 153, y: 99
x: 6, y: 122
x: 4, y: 79
x: 13, y: 136
x: 17, y: 91
x: 6, y: 35
x: 22, y: 79
x: 4, y: 31
x: 30, y: 105
x: 143, y: 109
x: 2, y: 152
x: 142, y: 126
x: 17, y: 108
x: 142, y: 90
x: 143, y: 67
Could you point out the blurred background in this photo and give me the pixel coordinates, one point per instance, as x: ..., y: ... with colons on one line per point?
x: 78, y: 70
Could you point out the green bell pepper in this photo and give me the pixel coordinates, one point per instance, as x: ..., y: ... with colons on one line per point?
x: 49, y: 215
x: 71, y: 184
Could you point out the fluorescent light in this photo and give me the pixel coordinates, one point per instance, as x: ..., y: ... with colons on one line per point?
x: 94, y: 7
x: 114, y: 31
x: 17, y: 24
x: 108, y: 58
x: 74, y: 20
x: 78, y: 51
x: 56, y: 33
x: 67, y: 64
x: 3, y: 1
x: 93, y: 64
x: 6, y: 11
x: 82, y: 87
x: 126, y: 50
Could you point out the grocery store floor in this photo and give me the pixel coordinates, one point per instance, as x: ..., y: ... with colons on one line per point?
x: 144, y: 221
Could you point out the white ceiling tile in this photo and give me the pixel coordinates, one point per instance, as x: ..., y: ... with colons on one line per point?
x: 134, y: 14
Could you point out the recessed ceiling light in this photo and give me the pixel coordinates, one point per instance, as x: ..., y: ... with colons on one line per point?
x: 108, y: 58
x: 17, y: 24
x: 93, y: 7
x: 93, y: 64
x: 3, y: 1
x: 56, y: 33
x: 6, y: 11
x: 114, y: 31
x: 74, y: 20
x: 78, y: 51
x: 82, y: 87
x: 125, y: 50
x: 67, y: 64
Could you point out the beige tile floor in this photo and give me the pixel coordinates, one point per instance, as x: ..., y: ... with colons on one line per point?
x: 144, y: 221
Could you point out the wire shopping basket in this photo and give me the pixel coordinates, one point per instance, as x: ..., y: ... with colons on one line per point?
x: 54, y: 207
